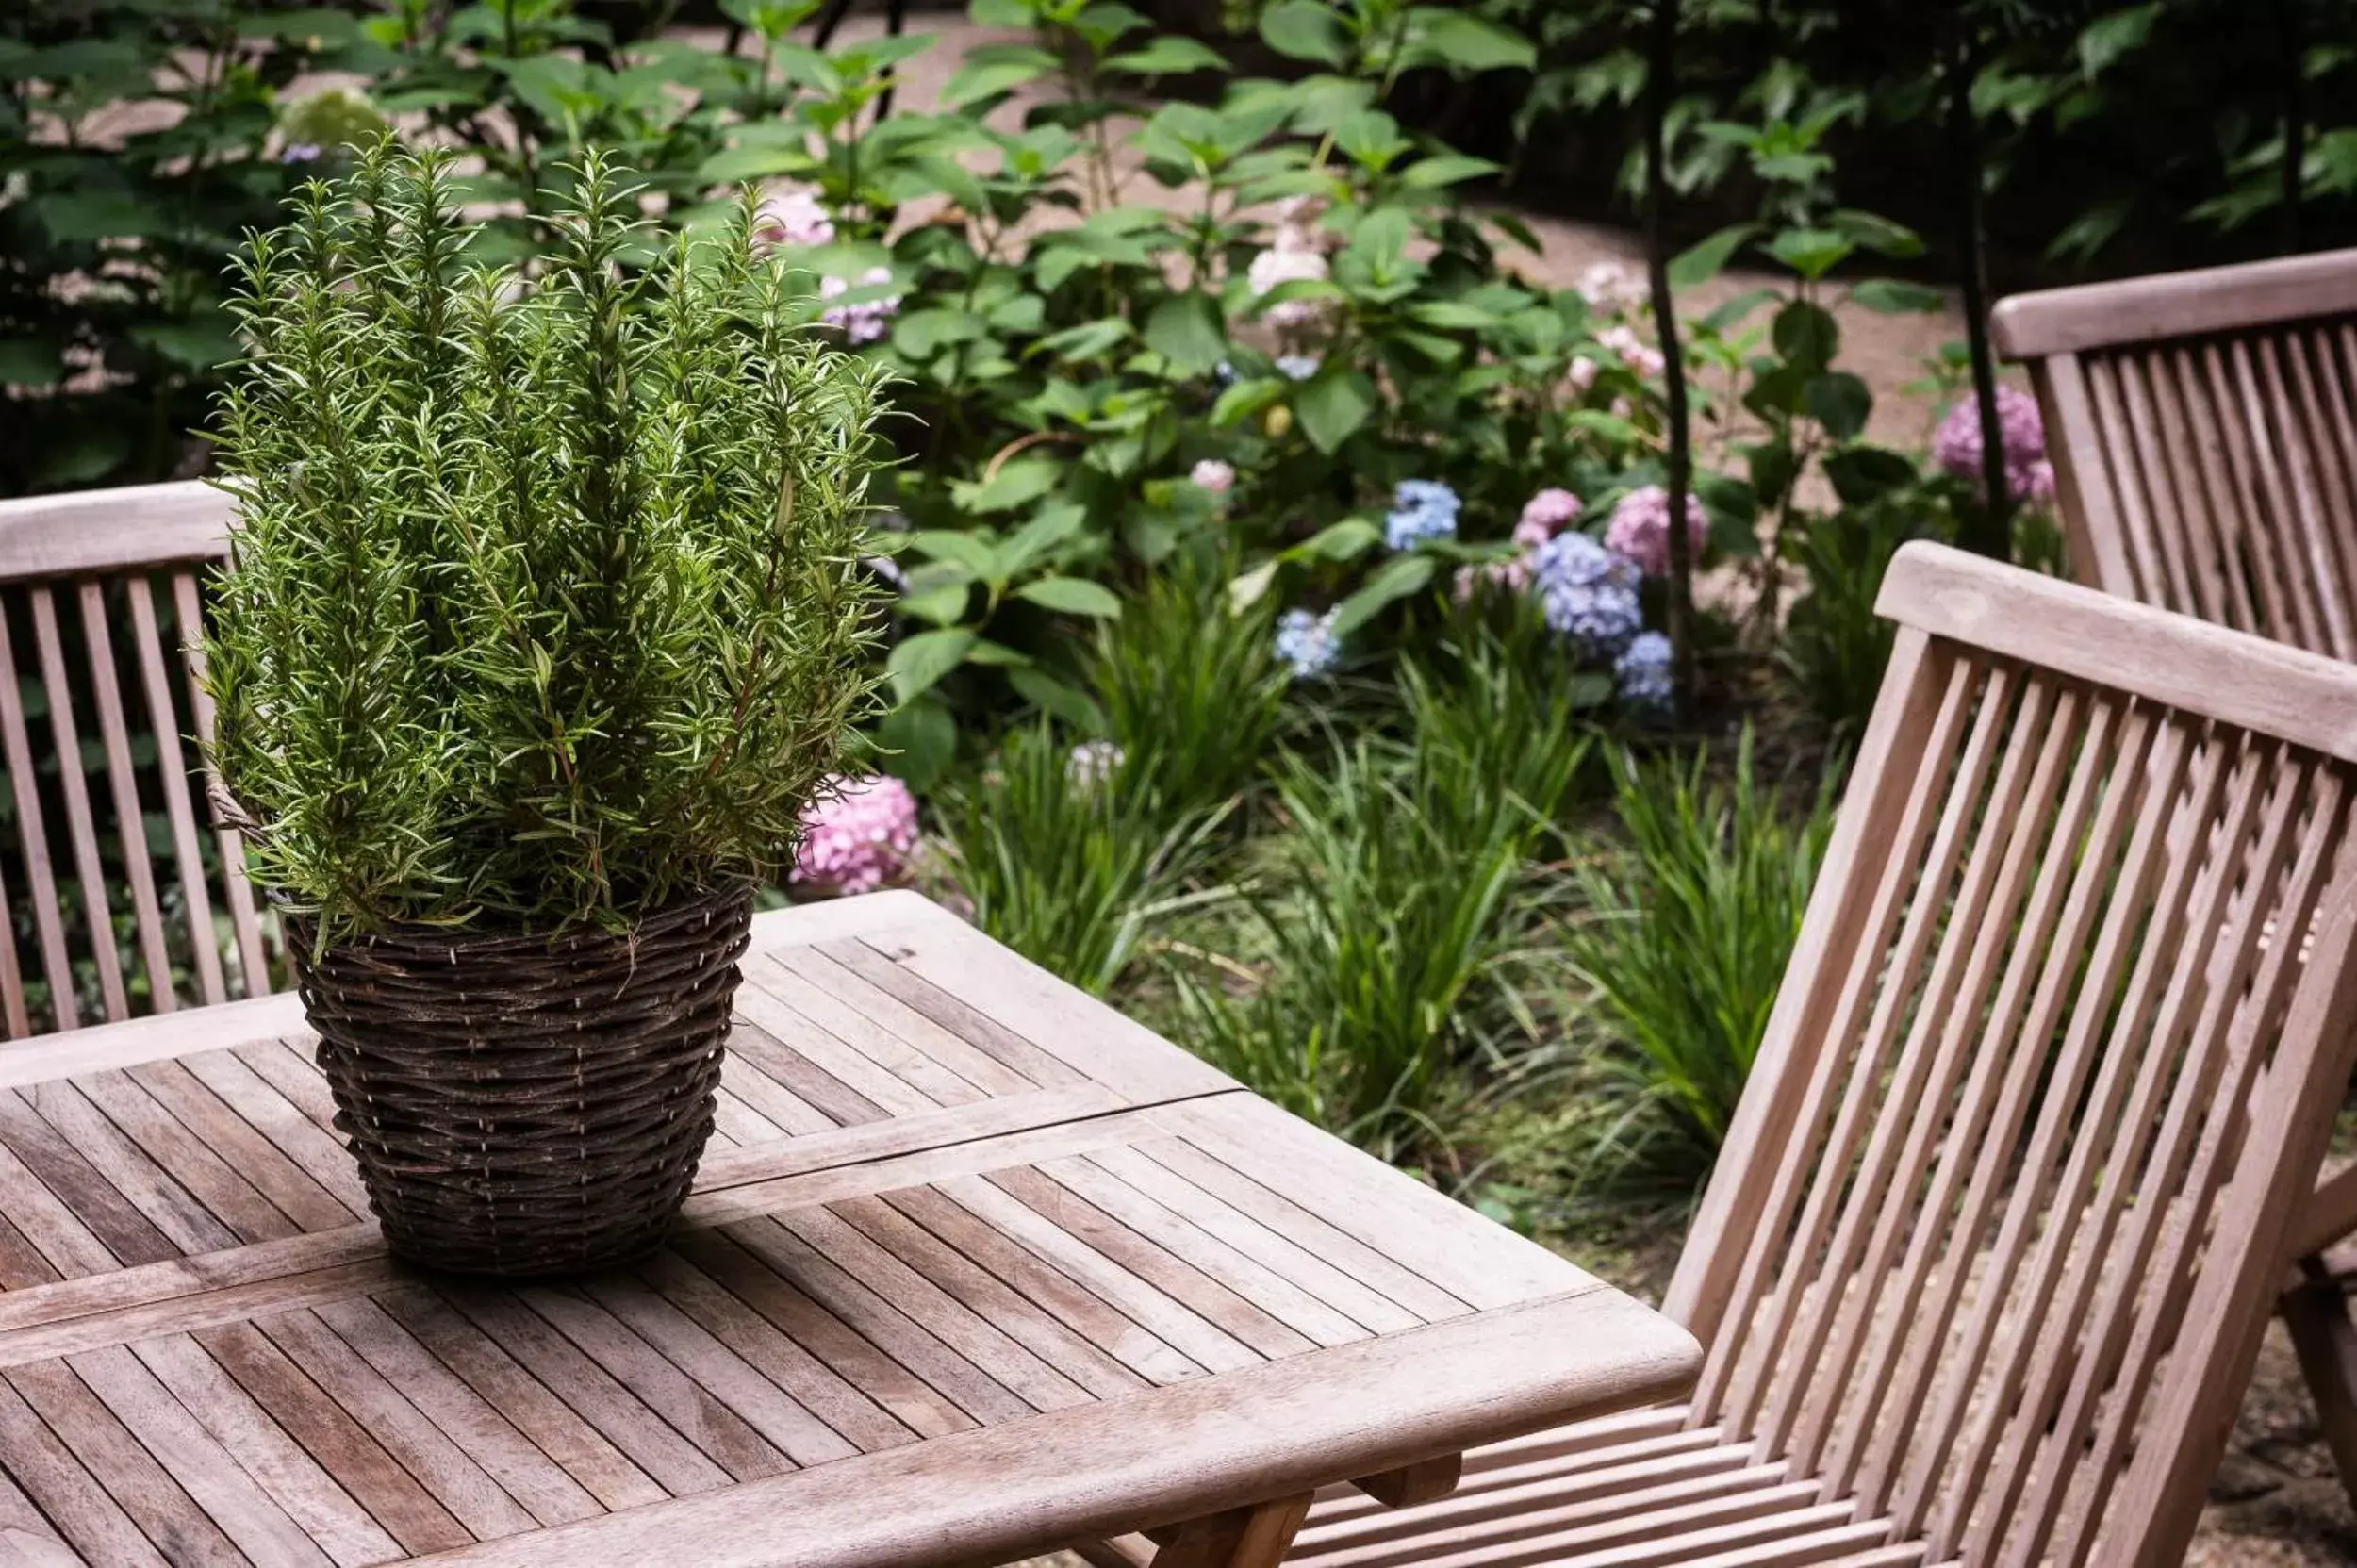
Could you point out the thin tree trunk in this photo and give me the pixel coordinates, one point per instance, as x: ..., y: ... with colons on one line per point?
x: 1991, y: 534
x: 1660, y: 91
x: 2293, y: 65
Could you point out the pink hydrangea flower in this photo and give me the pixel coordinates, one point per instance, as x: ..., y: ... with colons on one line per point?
x: 1956, y: 445
x: 791, y: 217
x: 858, y: 836
x: 1631, y: 351
x: 1581, y: 375
x: 1546, y: 512
x: 1213, y: 475
x: 867, y: 321
x: 1640, y: 528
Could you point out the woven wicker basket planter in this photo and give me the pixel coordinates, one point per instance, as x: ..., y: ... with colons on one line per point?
x: 523, y: 1105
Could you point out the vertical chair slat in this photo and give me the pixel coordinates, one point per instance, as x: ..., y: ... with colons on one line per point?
x: 130, y: 821
x: 1995, y: 877
x: 1863, y: 1143
x: 16, y: 1021
x: 2165, y: 495
x: 2103, y: 1018
x: 1928, y: 1465
x: 2091, y: 491
x: 1894, y: 856
x: 2192, y: 1121
x: 2209, y: 497
x: 2115, y: 1153
x: 89, y: 865
x: 42, y: 885
x: 2327, y: 458
x: 2057, y: 815
x: 2258, y: 516
x: 237, y: 891
x: 2308, y: 552
x: 163, y: 716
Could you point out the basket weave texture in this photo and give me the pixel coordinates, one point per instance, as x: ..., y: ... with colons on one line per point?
x: 528, y: 1105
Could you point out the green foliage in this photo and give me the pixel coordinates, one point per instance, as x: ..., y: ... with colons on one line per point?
x: 1068, y: 857
x: 1835, y: 646
x: 545, y: 600
x: 1391, y: 917
x: 1190, y: 688
x: 1681, y: 950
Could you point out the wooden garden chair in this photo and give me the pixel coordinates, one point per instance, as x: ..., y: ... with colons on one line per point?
x: 134, y: 899
x: 1988, y: 1254
x: 2203, y: 429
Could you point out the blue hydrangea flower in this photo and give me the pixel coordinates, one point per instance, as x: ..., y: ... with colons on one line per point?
x: 1587, y: 594
x: 1421, y: 509
x: 1643, y: 671
x: 1306, y: 641
x: 1224, y: 374
x: 1297, y: 367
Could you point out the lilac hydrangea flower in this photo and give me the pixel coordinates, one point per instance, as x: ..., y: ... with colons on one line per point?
x: 1588, y: 593
x: 1642, y: 673
x: 1544, y: 515
x: 1305, y: 641
x: 1640, y: 528
x: 1288, y: 261
x: 867, y: 321
x: 858, y: 836
x: 1421, y: 509
x: 1956, y: 445
x: 1297, y: 366
x: 1633, y: 351
x: 301, y: 152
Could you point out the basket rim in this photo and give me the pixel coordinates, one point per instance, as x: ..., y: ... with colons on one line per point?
x: 681, y: 908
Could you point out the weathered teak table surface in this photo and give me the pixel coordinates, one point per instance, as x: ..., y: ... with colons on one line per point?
x: 976, y: 1268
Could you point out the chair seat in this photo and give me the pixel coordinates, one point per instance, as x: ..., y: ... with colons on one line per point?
x: 1625, y: 1492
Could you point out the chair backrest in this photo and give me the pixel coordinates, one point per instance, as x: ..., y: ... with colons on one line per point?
x: 1993, y: 1237
x: 2204, y: 428
x: 122, y: 895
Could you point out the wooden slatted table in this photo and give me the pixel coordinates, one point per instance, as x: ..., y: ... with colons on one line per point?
x: 975, y: 1268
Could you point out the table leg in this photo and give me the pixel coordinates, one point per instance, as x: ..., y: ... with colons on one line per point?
x: 1241, y: 1538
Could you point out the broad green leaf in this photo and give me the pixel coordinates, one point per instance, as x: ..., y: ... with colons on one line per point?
x: 1811, y: 252
x: 921, y: 741
x: 2110, y: 37
x: 1247, y: 398
x: 1072, y: 596
x: 1808, y: 336
x: 1462, y: 43
x: 993, y: 69
x: 1871, y: 232
x: 200, y: 343
x: 1897, y: 297
x: 1169, y: 56
x: 922, y: 334
x: 1018, y: 484
x: 996, y: 654
x: 1862, y: 474
x: 97, y: 215
x: 1839, y: 402
x: 1332, y: 405
x: 736, y: 165
x: 1058, y: 699
x: 1395, y: 580
x: 970, y: 553
x: 1186, y: 330
x: 1705, y: 260
x: 1306, y: 30
x: 1088, y: 340
x: 917, y: 664
x: 1441, y: 168
x: 1451, y: 316
x: 945, y: 605
x: 1040, y: 537
x: 1344, y: 540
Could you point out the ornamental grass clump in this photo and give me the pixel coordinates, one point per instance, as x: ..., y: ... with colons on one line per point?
x: 545, y: 602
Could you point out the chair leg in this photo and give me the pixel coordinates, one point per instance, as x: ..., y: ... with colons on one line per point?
x: 1241, y: 1538
x: 2316, y: 1312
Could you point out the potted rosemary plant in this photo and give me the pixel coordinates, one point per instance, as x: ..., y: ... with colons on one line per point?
x: 544, y: 618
